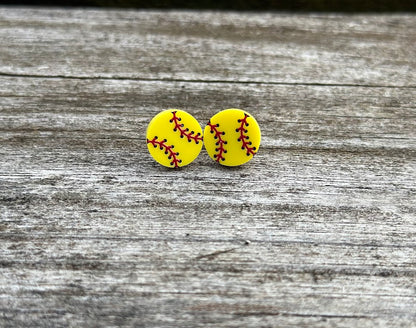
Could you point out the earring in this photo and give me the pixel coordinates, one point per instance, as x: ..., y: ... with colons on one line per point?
x: 174, y: 138
x: 232, y: 137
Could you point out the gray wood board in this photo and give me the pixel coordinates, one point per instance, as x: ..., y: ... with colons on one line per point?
x: 318, y: 230
x: 329, y: 49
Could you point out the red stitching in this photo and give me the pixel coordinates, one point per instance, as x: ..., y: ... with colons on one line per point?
x: 243, y: 138
x: 221, y: 150
x: 168, y: 150
x: 184, y: 132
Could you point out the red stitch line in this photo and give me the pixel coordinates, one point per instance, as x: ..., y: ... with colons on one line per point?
x: 221, y: 150
x: 184, y: 132
x: 243, y: 138
x: 168, y: 150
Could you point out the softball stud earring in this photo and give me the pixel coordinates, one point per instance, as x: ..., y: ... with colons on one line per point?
x: 232, y: 137
x: 174, y: 138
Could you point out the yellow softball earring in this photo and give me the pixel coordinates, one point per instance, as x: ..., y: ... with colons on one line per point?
x: 174, y: 138
x: 232, y: 137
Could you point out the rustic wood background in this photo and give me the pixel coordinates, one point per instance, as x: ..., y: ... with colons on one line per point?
x: 318, y: 230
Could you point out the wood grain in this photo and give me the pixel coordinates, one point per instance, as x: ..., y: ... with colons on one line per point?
x: 318, y: 230
x: 210, y: 46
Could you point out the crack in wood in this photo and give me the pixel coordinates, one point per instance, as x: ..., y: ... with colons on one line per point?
x: 214, y: 81
x: 212, y: 255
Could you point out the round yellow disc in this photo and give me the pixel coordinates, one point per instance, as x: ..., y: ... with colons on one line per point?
x: 174, y: 138
x: 232, y: 137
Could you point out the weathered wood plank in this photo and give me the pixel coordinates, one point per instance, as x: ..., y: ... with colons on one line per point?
x: 317, y: 231
x: 327, y: 49
x: 89, y: 219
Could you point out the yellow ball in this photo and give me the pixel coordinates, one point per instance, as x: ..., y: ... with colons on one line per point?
x: 174, y: 138
x: 232, y: 137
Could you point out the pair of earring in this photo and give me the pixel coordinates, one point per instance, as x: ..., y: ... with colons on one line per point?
x: 175, y: 138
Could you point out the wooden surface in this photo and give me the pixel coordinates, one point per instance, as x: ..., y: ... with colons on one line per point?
x: 318, y: 230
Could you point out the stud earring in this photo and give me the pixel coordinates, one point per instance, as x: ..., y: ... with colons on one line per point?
x: 232, y: 137
x: 174, y: 138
